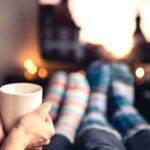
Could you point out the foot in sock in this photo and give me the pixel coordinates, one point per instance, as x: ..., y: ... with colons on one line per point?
x: 55, y: 92
x: 125, y: 118
x: 75, y: 103
x: 98, y: 75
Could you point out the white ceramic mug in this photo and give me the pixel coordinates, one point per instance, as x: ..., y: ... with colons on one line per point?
x: 18, y: 99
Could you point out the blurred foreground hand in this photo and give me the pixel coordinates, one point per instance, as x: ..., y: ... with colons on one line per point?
x: 32, y: 131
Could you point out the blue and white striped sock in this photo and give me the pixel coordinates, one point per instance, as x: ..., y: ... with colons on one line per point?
x: 125, y: 118
x: 98, y: 75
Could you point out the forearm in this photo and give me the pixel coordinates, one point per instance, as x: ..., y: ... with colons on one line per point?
x: 14, y: 141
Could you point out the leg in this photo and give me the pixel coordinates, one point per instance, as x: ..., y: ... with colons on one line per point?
x: 140, y: 141
x: 96, y: 139
x: 75, y: 103
x: 73, y: 109
x: 95, y: 133
x: 55, y: 93
x: 59, y: 142
x: 125, y: 118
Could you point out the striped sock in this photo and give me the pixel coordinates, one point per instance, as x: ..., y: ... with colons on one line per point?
x: 75, y: 102
x: 55, y: 92
x: 98, y: 76
x: 125, y: 118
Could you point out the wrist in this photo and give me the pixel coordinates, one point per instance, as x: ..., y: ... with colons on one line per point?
x: 16, y: 140
x: 18, y: 134
x: 21, y: 135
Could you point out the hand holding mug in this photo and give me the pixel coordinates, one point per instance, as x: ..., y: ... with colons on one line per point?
x: 37, y: 127
x: 33, y: 130
x: 18, y: 99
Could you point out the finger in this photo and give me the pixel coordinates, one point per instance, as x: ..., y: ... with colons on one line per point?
x: 49, y: 130
x: 49, y: 119
x: 50, y: 125
x: 46, y: 142
x: 40, y: 144
x: 44, y: 109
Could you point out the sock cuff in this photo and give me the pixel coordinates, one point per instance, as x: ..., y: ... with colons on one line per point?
x: 134, y: 131
x: 106, y: 129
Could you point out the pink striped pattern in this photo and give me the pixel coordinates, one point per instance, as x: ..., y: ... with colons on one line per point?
x: 76, y: 98
x: 55, y: 92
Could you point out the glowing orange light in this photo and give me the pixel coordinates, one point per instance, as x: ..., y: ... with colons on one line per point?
x: 28, y: 63
x: 33, y: 69
x: 82, y: 72
x: 140, y: 72
x: 28, y: 76
x: 43, y: 73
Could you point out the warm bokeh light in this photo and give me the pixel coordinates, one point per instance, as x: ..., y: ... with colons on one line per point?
x: 28, y: 63
x: 82, y: 72
x: 28, y: 76
x: 139, y: 72
x: 30, y: 66
x: 30, y: 50
x: 109, y: 22
x: 33, y: 69
x: 42, y: 72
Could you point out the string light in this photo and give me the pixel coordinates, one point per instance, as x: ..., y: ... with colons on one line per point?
x: 30, y: 66
x: 28, y: 63
x: 28, y: 76
x: 33, y: 69
x: 140, y: 72
x: 82, y: 72
x: 43, y: 73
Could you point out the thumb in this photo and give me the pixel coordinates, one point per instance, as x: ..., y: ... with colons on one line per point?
x: 44, y: 109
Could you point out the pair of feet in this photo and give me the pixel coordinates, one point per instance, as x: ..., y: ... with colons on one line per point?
x: 111, y: 101
x: 72, y: 93
x: 112, y: 85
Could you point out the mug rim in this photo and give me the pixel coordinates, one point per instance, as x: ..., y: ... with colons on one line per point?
x: 3, y: 89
